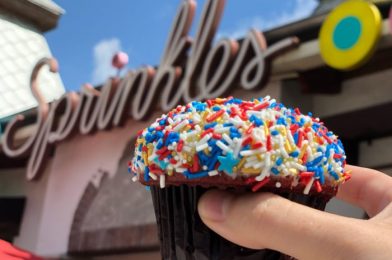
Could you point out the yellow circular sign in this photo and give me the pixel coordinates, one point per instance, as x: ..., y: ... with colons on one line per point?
x: 350, y: 34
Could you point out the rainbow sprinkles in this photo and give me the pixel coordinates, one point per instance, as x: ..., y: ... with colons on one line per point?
x: 259, y: 142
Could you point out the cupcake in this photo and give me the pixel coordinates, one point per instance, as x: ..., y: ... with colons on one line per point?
x: 228, y: 143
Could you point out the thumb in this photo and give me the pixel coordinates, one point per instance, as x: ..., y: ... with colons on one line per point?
x: 265, y: 220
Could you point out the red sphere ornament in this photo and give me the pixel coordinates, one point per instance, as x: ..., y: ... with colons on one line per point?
x: 120, y: 59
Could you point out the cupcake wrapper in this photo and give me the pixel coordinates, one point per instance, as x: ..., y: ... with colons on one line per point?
x: 183, y: 235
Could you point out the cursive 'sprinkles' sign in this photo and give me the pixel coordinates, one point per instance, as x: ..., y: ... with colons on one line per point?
x: 190, y: 69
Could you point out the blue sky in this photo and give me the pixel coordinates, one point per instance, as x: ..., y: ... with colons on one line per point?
x: 90, y: 32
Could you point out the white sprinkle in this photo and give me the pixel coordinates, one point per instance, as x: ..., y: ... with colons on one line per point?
x: 236, y: 122
x: 201, y: 147
x: 278, y: 185
x: 213, y: 173
x: 192, y: 133
x: 258, y: 165
x: 298, y: 166
x: 134, y: 178
x: 262, y: 176
x: 204, y: 139
x: 153, y: 176
x: 308, y: 186
x: 162, y: 181
x: 222, y: 130
x: 181, y: 125
x: 181, y: 169
x: 331, y: 154
x: 196, y: 118
x: 237, y: 147
x: 227, y: 139
x: 198, y: 128
x: 204, y: 167
x: 170, y: 120
x: 187, y: 148
x: 252, y: 152
x: 251, y: 158
x: 224, y: 147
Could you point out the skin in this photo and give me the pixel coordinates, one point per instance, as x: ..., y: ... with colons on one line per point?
x: 265, y: 220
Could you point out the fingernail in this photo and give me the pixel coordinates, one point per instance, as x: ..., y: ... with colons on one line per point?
x: 214, y: 204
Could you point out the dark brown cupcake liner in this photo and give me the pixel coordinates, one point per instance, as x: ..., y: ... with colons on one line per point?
x: 183, y: 235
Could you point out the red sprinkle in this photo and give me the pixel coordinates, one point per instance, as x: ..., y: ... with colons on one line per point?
x: 210, y: 103
x: 318, y: 186
x: 337, y: 156
x: 233, y: 112
x: 306, y: 174
x: 257, y: 186
x: 257, y: 145
x: 162, y: 150
x: 173, y: 161
x: 261, y: 106
x: 186, y: 165
x: 269, y: 143
x: 247, y: 141
x: 305, y: 157
x: 297, y: 111
x: 180, y: 145
x: 243, y: 115
x: 205, y: 132
x: 164, y: 155
x: 294, y: 128
x: 250, y: 180
x: 140, y: 132
x: 346, y: 176
x: 215, y: 115
x: 217, y: 136
x: 328, y: 139
x: 195, y: 166
x: 250, y: 128
x: 300, y: 139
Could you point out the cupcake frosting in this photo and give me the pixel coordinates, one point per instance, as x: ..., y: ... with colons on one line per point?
x: 258, y: 142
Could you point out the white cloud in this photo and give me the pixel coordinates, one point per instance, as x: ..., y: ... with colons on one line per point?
x: 103, y: 54
x: 302, y: 9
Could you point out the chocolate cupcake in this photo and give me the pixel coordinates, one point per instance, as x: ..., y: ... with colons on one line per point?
x: 228, y: 143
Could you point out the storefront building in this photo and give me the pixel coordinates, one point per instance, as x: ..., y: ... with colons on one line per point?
x: 71, y: 170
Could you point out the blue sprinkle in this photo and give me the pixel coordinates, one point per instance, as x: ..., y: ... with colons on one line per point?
x: 159, y: 144
x: 210, y: 125
x: 196, y: 175
x: 295, y: 136
x: 310, y: 114
x: 216, y: 108
x: 227, y: 124
x: 246, y: 147
x: 274, y: 132
x: 234, y: 101
x: 162, y: 122
x: 294, y: 154
x: 274, y: 171
x: 321, y: 175
x: 334, y: 175
x: 279, y: 161
x: 257, y: 121
x: 147, y: 188
x: 281, y: 121
x: 315, y: 161
x: 146, y: 172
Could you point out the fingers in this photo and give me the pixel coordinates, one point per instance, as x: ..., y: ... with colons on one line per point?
x: 264, y: 220
x: 368, y: 189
